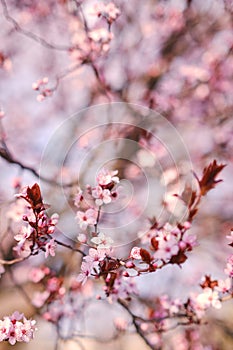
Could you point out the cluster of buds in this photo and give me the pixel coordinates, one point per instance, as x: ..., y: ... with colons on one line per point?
x: 37, y: 235
x: 44, y: 91
x: 168, y: 245
x: 107, y: 11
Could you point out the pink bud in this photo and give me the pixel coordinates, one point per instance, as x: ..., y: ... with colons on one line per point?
x: 130, y: 265
x: 40, y: 98
x: 125, y: 274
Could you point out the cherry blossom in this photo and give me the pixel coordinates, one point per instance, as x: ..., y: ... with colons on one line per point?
x: 39, y: 298
x: 168, y: 246
x: 106, y: 177
x: 85, y: 272
x: 102, y: 241
x: 109, y: 11
x: 135, y: 253
x: 37, y: 274
x: 78, y: 198
x: 204, y: 300
x: 101, y: 196
x: 86, y: 218
x: 224, y: 286
x: 24, y: 234
x: 50, y: 248
x: 16, y: 328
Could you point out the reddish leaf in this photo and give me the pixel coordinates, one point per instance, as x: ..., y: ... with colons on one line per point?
x: 208, y: 283
x: 145, y: 255
x: 208, y: 180
x: 188, y: 196
x: 178, y: 259
x: 192, y: 213
x: 154, y: 243
x: 34, y: 197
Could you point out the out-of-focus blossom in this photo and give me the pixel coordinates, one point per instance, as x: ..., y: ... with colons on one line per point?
x: 108, y: 11
x: 2, y: 270
x: 229, y: 267
x: 39, y: 298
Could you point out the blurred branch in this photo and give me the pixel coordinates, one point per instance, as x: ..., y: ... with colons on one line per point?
x: 136, y: 325
x: 29, y: 34
x: 5, y: 154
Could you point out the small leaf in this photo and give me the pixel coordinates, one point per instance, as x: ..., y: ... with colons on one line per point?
x: 208, y: 180
x: 145, y: 255
x: 178, y: 259
x: 208, y: 283
x: 154, y: 243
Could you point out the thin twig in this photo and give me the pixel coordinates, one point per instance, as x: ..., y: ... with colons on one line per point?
x: 29, y: 34
x: 70, y: 247
x: 136, y: 325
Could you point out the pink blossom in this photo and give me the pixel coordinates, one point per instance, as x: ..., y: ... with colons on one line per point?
x: 108, y: 11
x: 16, y: 328
x: 86, y: 218
x: 229, y: 267
x: 224, y: 285
x: 23, y: 249
x: 188, y: 240
x: 82, y: 238
x: 204, y: 300
x: 78, y: 198
x: 106, y: 177
x: 50, y: 248
x: 135, y: 253
x: 39, y: 298
x: 121, y: 324
x: 53, y: 284
x: 5, y: 326
x: 168, y: 246
x: 123, y: 288
x: 101, y: 35
x: 36, y: 274
x: 24, y: 234
x: 85, y: 272
x: 102, y: 241
x: 27, y: 328
x: 102, y: 196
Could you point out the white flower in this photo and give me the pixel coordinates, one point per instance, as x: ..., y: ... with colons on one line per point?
x: 102, y: 241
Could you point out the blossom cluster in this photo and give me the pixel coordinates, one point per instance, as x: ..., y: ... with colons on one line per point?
x: 160, y: 246
x: 16, y: 328
x: 109, y: 11
x: 52, y: 286
x: 103, y: 193
x: 37, y: 233
x: 168, y: 244
x: 44, y: 91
